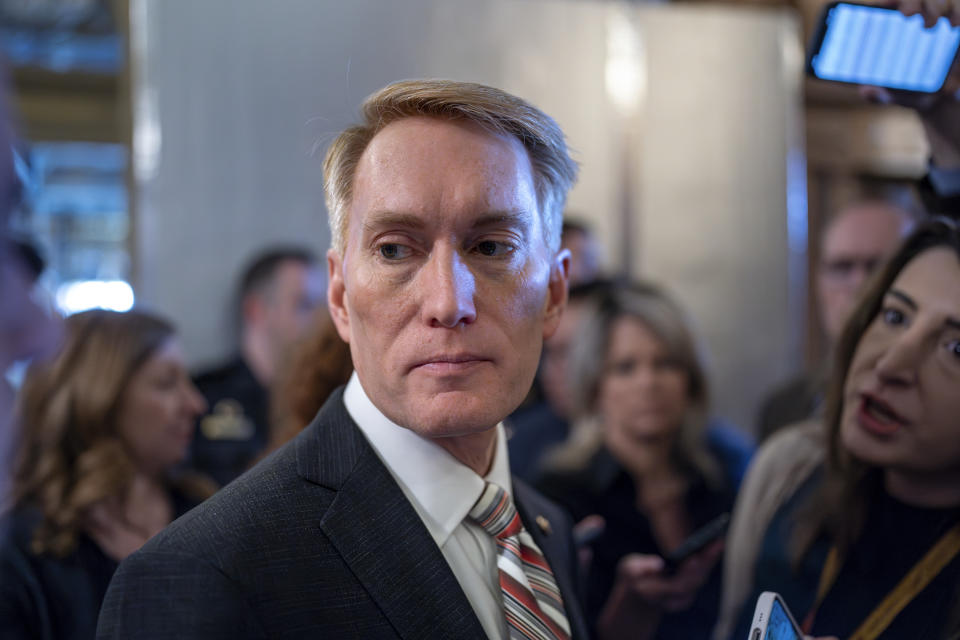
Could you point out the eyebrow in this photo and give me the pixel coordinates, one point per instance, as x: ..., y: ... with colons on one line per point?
x: 381, y: 219
x: 953, y: 323
x: 511, y: 218
x: 902, y: 297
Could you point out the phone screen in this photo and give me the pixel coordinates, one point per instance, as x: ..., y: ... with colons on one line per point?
x: 780, y: 627
x: 883, y: 47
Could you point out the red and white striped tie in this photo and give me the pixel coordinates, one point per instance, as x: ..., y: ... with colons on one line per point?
x: 531, y: 599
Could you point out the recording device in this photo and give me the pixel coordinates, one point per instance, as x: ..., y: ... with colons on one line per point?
x: 772, y: 620
x: 699, y: 539
x: 876, y: 46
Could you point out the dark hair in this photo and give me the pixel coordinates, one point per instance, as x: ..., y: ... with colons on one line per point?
x: 259, y: 275
x: 575, y: 225
x: 839, y: 507
x: 599, y: 287
x: 29, y: 255
x: 263, y: 267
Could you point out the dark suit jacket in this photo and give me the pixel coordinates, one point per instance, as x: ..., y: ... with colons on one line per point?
x: 317, y: 541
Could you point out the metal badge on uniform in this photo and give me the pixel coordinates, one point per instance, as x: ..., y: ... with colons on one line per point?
x: 227, y: 422
x: 544, y: 525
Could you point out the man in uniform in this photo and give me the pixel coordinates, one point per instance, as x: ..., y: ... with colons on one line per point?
x: 279, y: 292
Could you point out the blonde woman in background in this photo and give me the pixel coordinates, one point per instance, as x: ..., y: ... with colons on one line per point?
x: 104, y: 424
x: 644, y: 456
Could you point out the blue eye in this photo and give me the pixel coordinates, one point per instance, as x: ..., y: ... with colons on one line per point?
x: 892, y: 316
x: 954, y: 348
x: 393, y: 251
x: 492, y: 248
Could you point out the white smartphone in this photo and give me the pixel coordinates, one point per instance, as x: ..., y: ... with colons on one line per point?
x: 772, y: 620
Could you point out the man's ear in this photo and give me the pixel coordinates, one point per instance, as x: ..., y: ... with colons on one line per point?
x: 557, y: 291
x: 336, y: 295
x: 252, y: 308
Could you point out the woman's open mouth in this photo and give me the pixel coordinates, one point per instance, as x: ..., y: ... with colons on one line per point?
x: 876, y: 416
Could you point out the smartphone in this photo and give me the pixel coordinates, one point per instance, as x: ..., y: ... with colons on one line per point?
x: 772, y: 620
x: 699, y: 539
x: 586, y: 536
x: 861, y: 44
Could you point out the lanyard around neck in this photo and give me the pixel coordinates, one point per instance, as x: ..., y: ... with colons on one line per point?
x: 923, y: 572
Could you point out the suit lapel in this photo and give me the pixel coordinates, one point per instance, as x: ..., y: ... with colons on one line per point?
x: 380, y: 536
x: 556, y: 546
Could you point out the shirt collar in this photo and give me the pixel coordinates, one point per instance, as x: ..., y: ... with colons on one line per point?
x: 440, y: 487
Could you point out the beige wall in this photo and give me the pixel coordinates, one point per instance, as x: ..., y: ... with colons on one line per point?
x: 232, y: 96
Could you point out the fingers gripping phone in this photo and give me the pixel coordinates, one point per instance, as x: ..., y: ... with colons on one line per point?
x: 878, y: 46
x: 713, y: 530
x: 772, y: 620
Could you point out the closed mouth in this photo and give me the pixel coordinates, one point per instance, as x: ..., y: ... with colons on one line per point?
x: 453, y: 361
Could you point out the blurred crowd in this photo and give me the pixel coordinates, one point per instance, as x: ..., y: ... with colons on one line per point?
x: 110, y: 438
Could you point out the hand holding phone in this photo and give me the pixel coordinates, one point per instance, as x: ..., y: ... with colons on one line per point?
x: 931, y: 10
x: 883, y: 47
x: 646, y: 579
x: 713, y: 530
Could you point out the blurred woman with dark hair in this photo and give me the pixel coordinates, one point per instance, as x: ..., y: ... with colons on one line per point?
x: 855, y: 519
x: 104, y: 425
x: 641, y: 457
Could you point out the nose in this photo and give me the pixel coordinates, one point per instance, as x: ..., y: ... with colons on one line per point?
x: 897, y: 365
x: 448, y: 288
x: 194, y: 402
x: 645, y: 377
x: 858, y: 277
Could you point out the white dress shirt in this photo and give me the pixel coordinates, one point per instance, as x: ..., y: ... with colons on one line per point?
x: 442, y: 490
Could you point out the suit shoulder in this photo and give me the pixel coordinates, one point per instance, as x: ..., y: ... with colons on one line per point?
x: 247, y: 514
x: 161, y: 594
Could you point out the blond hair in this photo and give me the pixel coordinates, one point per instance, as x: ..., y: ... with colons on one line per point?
x: 496, y: 111
x: 663, y: 317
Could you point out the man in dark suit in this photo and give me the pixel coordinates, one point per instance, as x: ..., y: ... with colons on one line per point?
x: 392, y: 515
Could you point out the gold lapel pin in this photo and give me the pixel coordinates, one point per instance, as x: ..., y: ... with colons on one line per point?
x: 544, y: 525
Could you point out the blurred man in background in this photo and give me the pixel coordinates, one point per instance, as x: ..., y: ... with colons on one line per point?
x: 854, y: 243
x: 279, y: 291
x: 543, y: 420
x: 585, y: 251
x: 541, y: 425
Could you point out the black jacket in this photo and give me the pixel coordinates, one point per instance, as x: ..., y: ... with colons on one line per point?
x: 50, y: 598
x: 317, y: 541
